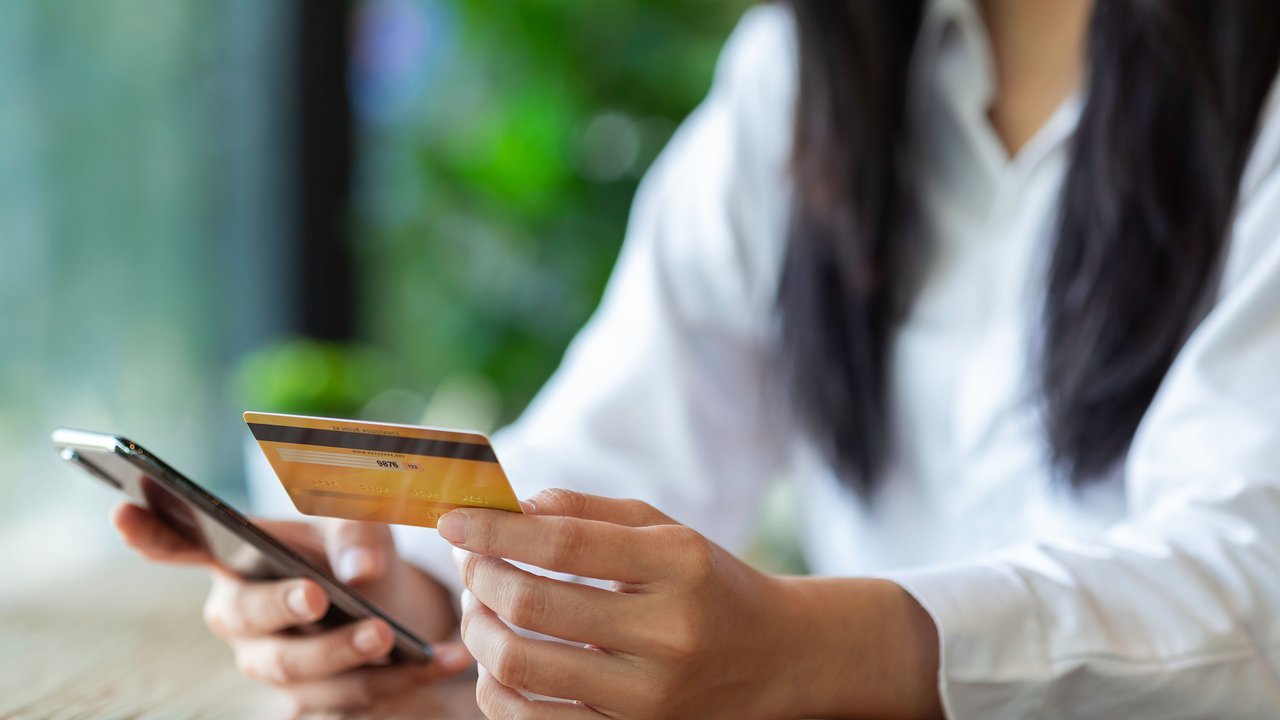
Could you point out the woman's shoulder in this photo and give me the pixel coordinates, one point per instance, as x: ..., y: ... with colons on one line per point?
x: 761, y: 49
x: 756, y: 75
x: 746, y: 117
x: 718, y: 195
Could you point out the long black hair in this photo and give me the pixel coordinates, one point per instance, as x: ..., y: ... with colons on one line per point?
x: 1174, y: 92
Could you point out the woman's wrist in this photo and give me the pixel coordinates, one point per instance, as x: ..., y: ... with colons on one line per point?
x: 858, y: 647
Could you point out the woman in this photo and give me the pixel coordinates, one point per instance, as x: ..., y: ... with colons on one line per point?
x: 995, y: 282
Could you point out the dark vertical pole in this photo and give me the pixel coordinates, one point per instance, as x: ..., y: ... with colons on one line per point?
x: 326, y: 273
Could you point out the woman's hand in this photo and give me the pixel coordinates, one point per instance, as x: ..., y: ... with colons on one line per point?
x: 327, y: 669
x: 687, y: 630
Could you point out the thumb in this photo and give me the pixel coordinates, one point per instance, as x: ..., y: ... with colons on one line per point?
x: 358, y: 551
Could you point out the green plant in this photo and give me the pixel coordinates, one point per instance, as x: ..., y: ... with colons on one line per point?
x: 491, y: 217
x: 307, y: 377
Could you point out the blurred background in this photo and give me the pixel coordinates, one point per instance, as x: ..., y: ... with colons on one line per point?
x: 398, y: 210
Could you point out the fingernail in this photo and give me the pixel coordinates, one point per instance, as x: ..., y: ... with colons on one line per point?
x: 296, y: 599
x: 452, y: 657
x: 353, y: 563
x: 453, y: 527
x: 368, y: 639
x: 467, y: 600
x: 529, y: 507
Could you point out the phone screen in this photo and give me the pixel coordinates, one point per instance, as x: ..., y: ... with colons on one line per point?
x: 231, y: 538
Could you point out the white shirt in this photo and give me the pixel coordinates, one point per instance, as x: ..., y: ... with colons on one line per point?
x: 1154, y: 595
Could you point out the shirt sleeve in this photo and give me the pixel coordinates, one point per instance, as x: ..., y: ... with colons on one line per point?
x: 662, y: 396
x: 1176, y: 614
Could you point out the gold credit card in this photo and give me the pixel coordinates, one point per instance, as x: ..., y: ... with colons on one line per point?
x: 380, y: 472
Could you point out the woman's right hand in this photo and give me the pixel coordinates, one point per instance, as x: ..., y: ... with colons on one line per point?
x: 328, y: 669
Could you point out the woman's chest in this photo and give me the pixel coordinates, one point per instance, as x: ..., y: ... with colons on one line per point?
x: 970, y: 472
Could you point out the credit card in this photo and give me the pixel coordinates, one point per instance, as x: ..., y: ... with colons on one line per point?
x: 380, y: 472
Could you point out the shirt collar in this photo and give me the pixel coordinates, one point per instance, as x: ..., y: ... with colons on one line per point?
x: 952, y: 64
x: 953, y: 31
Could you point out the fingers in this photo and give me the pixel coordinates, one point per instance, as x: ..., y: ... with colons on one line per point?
x: 569, y: 611
x: 367, y: 686
x: 558, y: 501
x: 304, y: 536
x: 358, y: 688
x: 447, y: 659
x: 237, y: 609
x: 499, y: 702
x: 283, y: 660
x: 153, y: 540
x: 544, y: 667
x: 587, y: 548
x: 358, y: 551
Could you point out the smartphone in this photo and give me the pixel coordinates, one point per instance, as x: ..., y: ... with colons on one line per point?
x: 232, y: 539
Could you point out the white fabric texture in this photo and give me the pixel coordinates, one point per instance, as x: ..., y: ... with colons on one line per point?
x: 1155, y: 594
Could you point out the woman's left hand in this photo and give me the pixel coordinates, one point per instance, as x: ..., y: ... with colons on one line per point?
x: 687, y: 630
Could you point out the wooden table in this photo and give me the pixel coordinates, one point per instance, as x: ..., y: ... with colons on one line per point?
x: 129, y: 643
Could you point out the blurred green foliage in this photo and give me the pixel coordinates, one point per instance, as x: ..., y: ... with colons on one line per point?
x: 308, y: 377
x: 489, y: 220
